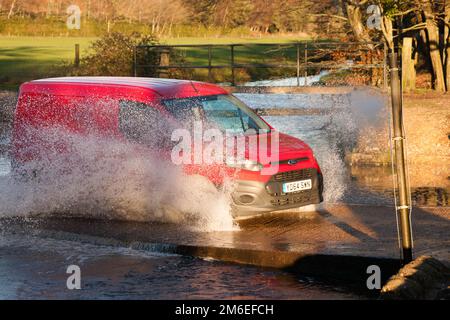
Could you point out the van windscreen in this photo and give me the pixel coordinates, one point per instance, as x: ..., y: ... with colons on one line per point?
x: 225, y: 112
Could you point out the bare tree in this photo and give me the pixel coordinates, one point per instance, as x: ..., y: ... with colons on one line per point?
x: 423, y: 17
x: 433, y: 44
x: 11, y: 9
x: 447, y: 43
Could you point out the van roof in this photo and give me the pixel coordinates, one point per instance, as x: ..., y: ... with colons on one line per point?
x: 163, y: 87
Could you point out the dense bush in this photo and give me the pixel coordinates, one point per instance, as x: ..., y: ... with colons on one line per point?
x: 112, y: 55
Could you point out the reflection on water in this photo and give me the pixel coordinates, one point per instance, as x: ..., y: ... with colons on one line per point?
x: 39, y: 272
x: 378, y: 181
x: 431, y: 196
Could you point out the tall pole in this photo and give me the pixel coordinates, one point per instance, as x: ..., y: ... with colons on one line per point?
x: 403, y: 206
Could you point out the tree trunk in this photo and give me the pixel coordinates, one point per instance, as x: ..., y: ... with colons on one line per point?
x: 388, y: 34
x: 356, y: 23
x: 11, y: 9
x: 433, y: 45
x: 435, y: 56
x: 88, y: 9
x: 447, y: 45
x: 408, y: 70
x: 49, y: 8
x: 339, y: 7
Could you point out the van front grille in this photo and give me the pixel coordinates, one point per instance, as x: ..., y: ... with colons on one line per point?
x: 275, y: 187
x: 294, y: 175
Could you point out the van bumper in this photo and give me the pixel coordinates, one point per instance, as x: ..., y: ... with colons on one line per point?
x: 254, y: 197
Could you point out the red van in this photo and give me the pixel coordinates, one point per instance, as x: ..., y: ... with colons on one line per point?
x: 138, y: 110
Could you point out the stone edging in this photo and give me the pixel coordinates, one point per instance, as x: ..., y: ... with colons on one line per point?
x: 424, y: 278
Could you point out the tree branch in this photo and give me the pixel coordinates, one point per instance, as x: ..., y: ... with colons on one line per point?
x: 415, y: 27
x: 328, y: 15
x: 404, y: 12
x: 357, y: 3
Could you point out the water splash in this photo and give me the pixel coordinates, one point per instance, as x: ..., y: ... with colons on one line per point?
x: 348, y: 118
x: 111, y: 179
x: 106, y: 178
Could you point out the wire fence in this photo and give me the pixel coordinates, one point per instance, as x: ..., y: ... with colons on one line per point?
x: 301, y: 63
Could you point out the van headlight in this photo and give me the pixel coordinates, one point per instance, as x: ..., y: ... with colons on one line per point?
x: 246, y: 164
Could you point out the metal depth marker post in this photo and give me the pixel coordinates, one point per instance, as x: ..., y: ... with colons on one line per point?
x: 403, y: 205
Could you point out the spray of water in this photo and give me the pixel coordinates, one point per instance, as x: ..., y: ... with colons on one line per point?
x: 352, y: 118
x: 112, y: 179
x: 105, y: 178
x: 354, y: 115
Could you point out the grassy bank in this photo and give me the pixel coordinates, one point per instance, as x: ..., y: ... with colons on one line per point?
x: 26, y: 58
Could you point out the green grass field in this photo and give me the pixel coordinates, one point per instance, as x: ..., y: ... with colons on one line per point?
x: 26, y: 58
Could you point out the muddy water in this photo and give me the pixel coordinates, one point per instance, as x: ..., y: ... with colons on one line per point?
x: 33, y: 267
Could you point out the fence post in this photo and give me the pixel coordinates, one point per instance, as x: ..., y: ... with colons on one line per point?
x: 408, y: 70
x: 135, y: 61
x: 298, y: 65
x: 164, y: 62
x: 77, y: 55
x: 233, y: 80
x: 306, y: 63
x: 209, y: 64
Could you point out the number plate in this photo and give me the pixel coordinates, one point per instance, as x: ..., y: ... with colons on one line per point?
x: 297, y: 186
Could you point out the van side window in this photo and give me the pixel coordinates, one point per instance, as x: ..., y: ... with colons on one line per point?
x: 140, y: 122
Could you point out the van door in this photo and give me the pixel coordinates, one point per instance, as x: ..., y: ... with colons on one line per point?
x: 143, y: 124
x: 41, y: 123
